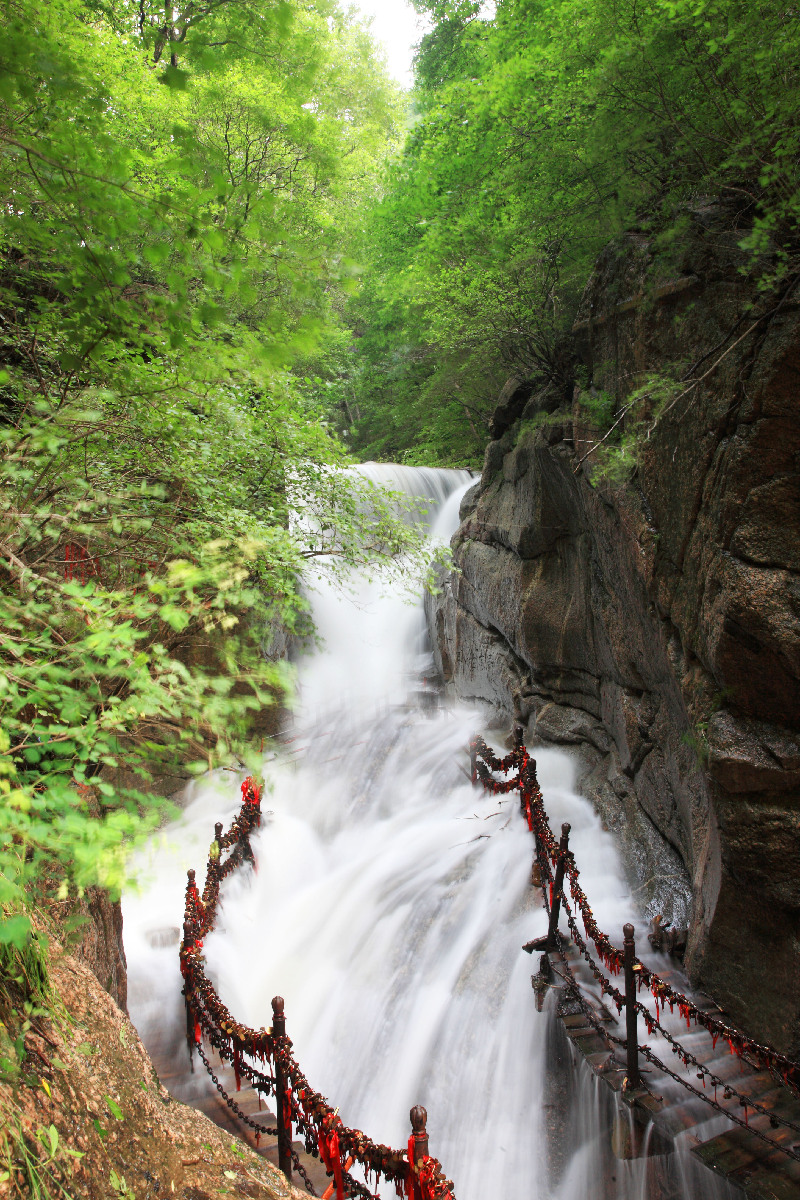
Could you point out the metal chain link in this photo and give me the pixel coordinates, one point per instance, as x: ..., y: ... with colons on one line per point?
x: 651, y: 1057
x: 301, y: 1171
x: 354, y: 1188
x: 575, y: 990
x: 572, y: 983
x: 231, y: 1103
x: 260, y: 1082
x: 547, y: 848
x: 770, y: 1059
x: 729, y: 1090
x: 677, y: 1047
x: 232, y: 1040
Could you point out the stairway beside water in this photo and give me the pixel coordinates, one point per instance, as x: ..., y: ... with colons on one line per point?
x: 389, y: 907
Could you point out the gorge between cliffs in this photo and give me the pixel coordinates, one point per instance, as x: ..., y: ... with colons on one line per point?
x: 388, y: 905
x: 400, y: 601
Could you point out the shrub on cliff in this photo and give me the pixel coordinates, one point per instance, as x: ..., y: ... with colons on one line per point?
x: 541, y: 133
x: 174, y: 236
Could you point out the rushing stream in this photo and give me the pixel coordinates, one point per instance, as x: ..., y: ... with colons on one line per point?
x: 389, y: 907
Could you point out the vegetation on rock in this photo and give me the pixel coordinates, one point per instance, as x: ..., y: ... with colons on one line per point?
x: 83, y: 1113
x: 541, y: 134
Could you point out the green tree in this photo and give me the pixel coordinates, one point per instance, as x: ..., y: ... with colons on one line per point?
x: 168, y: 254
x: 539, y: 136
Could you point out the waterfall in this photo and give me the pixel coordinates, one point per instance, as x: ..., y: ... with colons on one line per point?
x: 389, y: 908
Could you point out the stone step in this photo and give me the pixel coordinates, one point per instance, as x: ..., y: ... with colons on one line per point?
x: 215, y: 1107
x: 760, y: 1170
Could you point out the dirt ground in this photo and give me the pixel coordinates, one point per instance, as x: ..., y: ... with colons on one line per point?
x: 87, y: 1116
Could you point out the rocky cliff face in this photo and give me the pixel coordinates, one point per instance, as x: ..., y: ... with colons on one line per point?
x: 654, y: 625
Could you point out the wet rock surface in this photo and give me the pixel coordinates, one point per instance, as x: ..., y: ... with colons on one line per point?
x: 101, y: 946
x: 654, y: 625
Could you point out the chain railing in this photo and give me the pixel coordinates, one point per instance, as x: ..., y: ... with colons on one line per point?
x: 554, y: 865
x: 264, y: 1057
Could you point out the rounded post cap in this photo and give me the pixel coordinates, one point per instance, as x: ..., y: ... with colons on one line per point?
x: 419, y: 1118
x: 190, y: 874
x: 565, y: 828
x: 277, y: 1005
x: 628, y: 931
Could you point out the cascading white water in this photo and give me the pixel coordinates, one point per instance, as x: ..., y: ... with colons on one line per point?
x: 389, y: 908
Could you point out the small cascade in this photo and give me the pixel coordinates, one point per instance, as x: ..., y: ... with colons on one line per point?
x: 389, y: 907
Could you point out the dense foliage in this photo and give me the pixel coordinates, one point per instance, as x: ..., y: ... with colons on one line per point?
x: 178, y: 210
x: 543, y: 131
x: 204, y: 266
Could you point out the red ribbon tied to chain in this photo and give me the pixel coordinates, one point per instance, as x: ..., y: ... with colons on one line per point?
x: 251, y: 792
x: 413, y: 1190
x: 332, y: 1158
x: 422, y: 1177
x: 427, y: 1179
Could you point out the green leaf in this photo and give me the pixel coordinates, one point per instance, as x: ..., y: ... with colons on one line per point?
x: 15, y: 931
x: 175, y: 78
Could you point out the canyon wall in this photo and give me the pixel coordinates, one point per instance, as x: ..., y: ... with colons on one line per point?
x: 653, y: 624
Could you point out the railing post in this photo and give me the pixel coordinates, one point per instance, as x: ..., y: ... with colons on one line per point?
x: 281, y: 1081
x: 631, y: 1032
x: 189, y: 936
x: 558, y: 885
x: 218, y: 834
x: 528, y: 782
x: 419, y: 1120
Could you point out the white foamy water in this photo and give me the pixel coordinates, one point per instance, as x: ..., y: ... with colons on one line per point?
x: 389, y: 909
